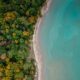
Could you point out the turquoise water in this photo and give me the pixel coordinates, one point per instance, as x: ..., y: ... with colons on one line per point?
x: 60, y: 40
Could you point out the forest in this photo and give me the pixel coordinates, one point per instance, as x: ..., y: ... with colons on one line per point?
x: 17, y: 24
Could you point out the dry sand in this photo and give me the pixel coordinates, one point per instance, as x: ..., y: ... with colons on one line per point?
x: 37, y: 52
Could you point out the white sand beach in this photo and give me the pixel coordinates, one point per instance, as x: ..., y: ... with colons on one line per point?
x: 37, y: 52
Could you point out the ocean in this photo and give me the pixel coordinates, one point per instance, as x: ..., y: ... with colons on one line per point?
x: 60, y: 40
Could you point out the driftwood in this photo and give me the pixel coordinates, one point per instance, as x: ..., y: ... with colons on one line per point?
x: 5, y: 43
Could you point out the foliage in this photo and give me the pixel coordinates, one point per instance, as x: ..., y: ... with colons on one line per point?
x: 17, y: 20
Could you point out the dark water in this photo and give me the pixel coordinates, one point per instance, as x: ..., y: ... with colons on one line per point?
x: 60, y: 40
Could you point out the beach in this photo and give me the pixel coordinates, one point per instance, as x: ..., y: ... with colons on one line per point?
x: 36, y: 49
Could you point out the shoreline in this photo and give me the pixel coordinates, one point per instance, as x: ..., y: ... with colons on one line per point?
x: 38, y: 56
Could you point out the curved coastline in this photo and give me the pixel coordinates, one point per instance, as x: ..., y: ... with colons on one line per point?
x: 38, y: 56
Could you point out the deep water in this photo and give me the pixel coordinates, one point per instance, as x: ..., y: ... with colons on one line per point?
x: 60, y: 40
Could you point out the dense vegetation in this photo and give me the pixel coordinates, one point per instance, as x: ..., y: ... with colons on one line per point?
x: 17, y: 20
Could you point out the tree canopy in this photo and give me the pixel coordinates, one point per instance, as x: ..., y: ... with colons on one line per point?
x: 17, y: 20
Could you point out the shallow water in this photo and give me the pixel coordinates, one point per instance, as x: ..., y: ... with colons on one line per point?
x: 60, y: 40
